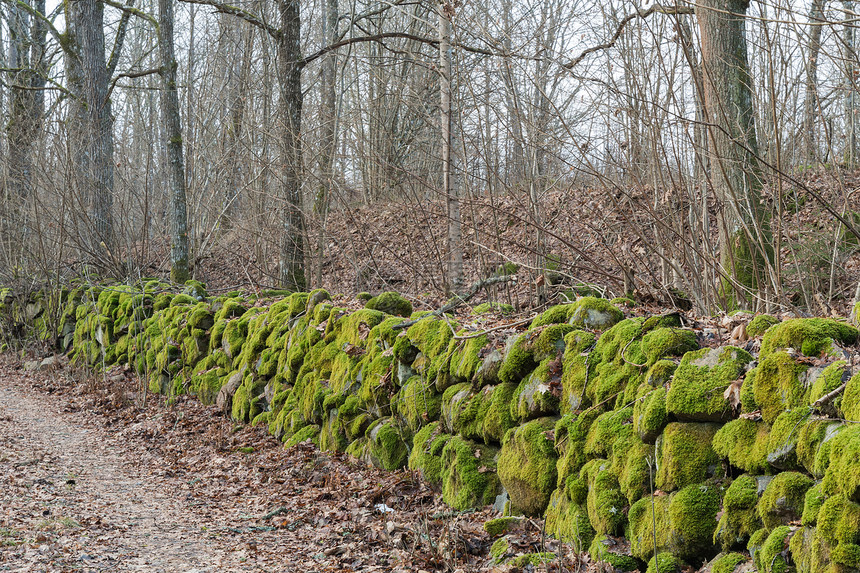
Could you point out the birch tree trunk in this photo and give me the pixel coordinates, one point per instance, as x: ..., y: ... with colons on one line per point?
x: 449, y: 183
x: 292, y: 255
x: 743, y: 230
x: 179, y: 272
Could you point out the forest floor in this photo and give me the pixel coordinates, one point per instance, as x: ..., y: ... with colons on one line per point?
x: 94, y: 479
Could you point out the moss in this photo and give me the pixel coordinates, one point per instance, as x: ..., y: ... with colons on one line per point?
x: 847, y: 554
x: 778, y: 386
x: 782, y: 500
x: 333, y: 434
x: 465, y: 357
x: 454, y: 401
x: 518, y: 359
x: 538, y: 394
x: 502, y: 525
x: 727, y: 562
x: 527, y: 465
x: 601, y: 551
x: 468, y: 479
x: 607, y: 428
x: 755, y: 543
x: 697, y: 389
x: 748, y: 403
x: 575, y: 369
x: 418, y: 403
x: 493, y: 307
x: 692, y: 514
x: 306, y: 433
x: 553, y: 315
x: 497, y: 419
x: 499, y: 550
x: 664, y: 563
x: 772, y: 558
x: 811, y: 336
x: 760, y: 324
x: 571, y: 433
x: 630, y: 462
x: 685, y: 455
x: 183, y: 300
x: 605, y: 501
x: 783, y: 439
x: 739, y: 517
x: 839, y: 520
x: 594, y: 313
x: 390, y: 303
x: 387, y: 446
x: 662, y: 342
x: 660, y: 373
x: 812, y: 502
x: 567, y: 518
x: 426, y: 454
x: 532, y: 559
x: 649, y: 413
x: 851, y: 399
x: 364, y: 297
x: 843, y: 472
x: 824, y: 381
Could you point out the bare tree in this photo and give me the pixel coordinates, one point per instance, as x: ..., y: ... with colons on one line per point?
x: 179, y: 271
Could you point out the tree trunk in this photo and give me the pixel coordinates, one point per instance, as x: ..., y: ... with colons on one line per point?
x: 810, y: 101
x: 91, y: 129
x: 179, y: 272
x: 744, y: 240
x: 449, y: 183
x: 328, y: 139
x: 850, y: 58
x: 292, y: 256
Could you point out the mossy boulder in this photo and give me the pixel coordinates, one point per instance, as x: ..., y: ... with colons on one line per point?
x: 811, y: 336
x: 502, y: 525
x: 685, y: 455
x: 851, y: 399
x: 501, y: 308
x: 744, y: 443
x: 783, y: 439
x: 843, y: 470
x: 739, y: 518
x: 418, y: 403
x: 587, y: 312
x: 664, y: 563
x: 783, y: 499
x: 390, y: 303
x: 527, y: 465
x: 662, y: 342
x: 839, y: 521
x: 698, y: 386
x: 497, y: 419
x: 575, y: 369
x: 728, y: 562
x: 771, y: 557
x: 388, y: 444
x: 609, y: 550
x: 426, y: 453
x: 468, y: 474
x: 538, y: 395
x: 519, y: 360
x: 605, y: 502
x: 812, y: 502
x: 567, y: 517
x: 760, y: 324
x: 779, y: 386
x: 649, y: 413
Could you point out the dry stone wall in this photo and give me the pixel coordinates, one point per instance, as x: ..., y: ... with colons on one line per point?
x: 633, y: 442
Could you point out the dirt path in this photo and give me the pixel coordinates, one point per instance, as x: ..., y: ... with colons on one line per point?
x: 91, y: 481
x: 94, y: 508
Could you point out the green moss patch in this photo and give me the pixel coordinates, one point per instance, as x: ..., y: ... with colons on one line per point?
x: 811, y: 336
x: 783, y: 499
x: 685, y: 455
x: 390, y: 303
x: 739, y: 519
x: 468, y: 474
x: 606, y: 549
x: 527, y: 465
x: 697, y: 389
x: 662, y: 342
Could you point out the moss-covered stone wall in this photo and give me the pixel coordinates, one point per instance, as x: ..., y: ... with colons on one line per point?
x: 623, y: 433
